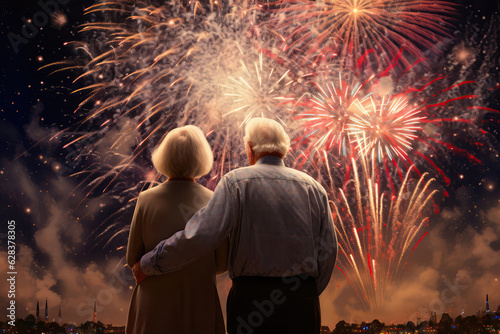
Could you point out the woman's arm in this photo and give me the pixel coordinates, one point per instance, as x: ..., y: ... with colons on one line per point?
x: 135, y: 247
x: 221, y: 256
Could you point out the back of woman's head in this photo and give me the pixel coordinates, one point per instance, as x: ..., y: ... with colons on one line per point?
x: 183, y: 153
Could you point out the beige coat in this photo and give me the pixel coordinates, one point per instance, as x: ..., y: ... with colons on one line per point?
x: 184, y: 301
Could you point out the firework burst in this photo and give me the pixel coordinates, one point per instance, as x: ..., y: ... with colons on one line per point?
x: 351, y: 27
x: 258, y: 90
x: 328, y: 115
x: 388, y: 130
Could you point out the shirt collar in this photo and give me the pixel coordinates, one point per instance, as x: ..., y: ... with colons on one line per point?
x: 270, y: 160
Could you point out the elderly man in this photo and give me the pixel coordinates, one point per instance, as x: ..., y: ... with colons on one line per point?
x: 282, y: 242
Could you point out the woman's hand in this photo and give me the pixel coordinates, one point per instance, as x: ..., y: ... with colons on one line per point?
x: 137, y: 272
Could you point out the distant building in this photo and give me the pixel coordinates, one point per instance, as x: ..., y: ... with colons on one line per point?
x: 487, y: 305
x: 46, y: 311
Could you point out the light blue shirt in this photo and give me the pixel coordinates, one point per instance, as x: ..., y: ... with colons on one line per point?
x: 277, y: 219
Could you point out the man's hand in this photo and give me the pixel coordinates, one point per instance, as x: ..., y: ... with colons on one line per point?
x: 137, y: 272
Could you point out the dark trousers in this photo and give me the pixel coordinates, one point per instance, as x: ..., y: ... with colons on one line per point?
x: 273, y: 305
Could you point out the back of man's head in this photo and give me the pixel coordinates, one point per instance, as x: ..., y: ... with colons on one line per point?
x: 267, y: 136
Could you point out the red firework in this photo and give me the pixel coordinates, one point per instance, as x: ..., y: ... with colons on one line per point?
x: 351, y: 27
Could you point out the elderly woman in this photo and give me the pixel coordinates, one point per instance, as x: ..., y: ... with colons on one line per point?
x: 184, y: 301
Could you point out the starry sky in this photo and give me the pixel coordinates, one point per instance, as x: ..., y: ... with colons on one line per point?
x: 68, y: 254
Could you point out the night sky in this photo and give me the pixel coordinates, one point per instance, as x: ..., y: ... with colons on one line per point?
x: 69, y: 246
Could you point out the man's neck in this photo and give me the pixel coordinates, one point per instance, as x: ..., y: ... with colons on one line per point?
x: 266, y: 154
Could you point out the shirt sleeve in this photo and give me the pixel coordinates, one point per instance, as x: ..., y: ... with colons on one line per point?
x: 135, y: 246
x: 327, y: 249
x: 206, y: 230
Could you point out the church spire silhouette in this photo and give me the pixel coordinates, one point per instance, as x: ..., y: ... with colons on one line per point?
x: 37, y: 311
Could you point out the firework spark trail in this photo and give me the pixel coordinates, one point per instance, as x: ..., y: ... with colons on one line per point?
x: 352, y: 27
x: 376, y: 238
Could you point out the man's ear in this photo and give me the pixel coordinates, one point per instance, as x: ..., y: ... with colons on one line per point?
x: 250, y: 152
x: 249, y: 146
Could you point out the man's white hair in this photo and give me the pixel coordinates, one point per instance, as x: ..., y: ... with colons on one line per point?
x: 184, y: 152
x: 267, y: 136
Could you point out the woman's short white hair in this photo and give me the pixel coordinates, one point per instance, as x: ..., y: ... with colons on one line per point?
x: 184, y: 152
x: 267, y: 135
